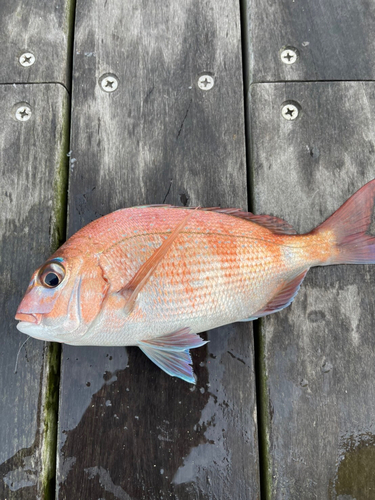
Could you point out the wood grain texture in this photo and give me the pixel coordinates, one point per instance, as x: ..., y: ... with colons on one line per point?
x: 128, y: 430
x: 318, y: 354
x: 32, y: 158
x: 41, y: 28
x: 334, y: 40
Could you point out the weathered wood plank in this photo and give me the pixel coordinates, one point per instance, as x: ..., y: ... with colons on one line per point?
x: 39, y: 28
x: 318, y: 354
x: 32, y: 164
x: 334, y: 40
x: 128, y: 430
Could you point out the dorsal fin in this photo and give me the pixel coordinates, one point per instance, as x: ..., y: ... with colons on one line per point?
x: 141, y: 277
x: 274, y: 224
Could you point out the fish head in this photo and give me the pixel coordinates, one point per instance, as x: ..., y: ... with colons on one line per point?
x: 63, y: 298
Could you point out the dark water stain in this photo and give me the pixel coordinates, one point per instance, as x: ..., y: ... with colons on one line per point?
x: 145, y: 434
x: 316, y: 316
x: 314, y: 152
x: 20, y: 474
x: 355, y: 478
x: 184, y: 198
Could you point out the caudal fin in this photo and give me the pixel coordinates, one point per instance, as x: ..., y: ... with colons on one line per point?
x: 352, y: 225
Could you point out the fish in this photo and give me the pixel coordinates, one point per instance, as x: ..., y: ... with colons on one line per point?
x: 156, y: 276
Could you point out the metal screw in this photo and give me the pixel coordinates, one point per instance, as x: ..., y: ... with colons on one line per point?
x: 289, y: 55
x: 108, y: 82
x: 23, y: 112
x: 206, y: 82
x: 289, y: 111
x: 27, y: 59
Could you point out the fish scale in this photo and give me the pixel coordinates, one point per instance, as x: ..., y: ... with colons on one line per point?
x: 230, y: 278
x: 156, y: 276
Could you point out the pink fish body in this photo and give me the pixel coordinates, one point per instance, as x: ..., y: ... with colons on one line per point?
x: 156, y: 276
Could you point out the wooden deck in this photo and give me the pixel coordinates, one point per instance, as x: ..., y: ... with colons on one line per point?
x: 284, y: 408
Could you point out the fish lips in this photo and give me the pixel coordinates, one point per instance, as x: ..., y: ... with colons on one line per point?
x: 34, y: 318
x: 30, y: 324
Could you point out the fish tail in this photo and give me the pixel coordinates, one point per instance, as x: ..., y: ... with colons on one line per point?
x: 350, y: 229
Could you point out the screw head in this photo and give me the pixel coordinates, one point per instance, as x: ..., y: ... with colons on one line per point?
x: 206, y: 82
x: 290, y: 111
x: 26, y: 59
x: 108, y: 82
x: 22, y: 112
x: 289, y: 55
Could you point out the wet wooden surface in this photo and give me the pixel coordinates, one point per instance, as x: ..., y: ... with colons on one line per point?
x: 40, y: 28
x: 316, y: 357
x: 334, y: 40
x: 319, y: 354
x: 32, y: 223
x: 128, y: 430
x: 32, y: 155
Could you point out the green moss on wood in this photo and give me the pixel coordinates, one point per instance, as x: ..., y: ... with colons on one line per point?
x: 58, y: 234
x: 50, y: 409
x: 60, y: 186
x: 263, y: 415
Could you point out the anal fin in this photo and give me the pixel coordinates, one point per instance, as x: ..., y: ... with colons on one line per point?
x: 171, y: 352
x: 283, y: 298
x: 252, y: 318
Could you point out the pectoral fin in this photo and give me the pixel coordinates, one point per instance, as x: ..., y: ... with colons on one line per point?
x: 171, y: 353
x: 135, y: 285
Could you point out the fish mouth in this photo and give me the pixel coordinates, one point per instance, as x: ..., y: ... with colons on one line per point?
x: 29, y: 318
x: 33, y: 330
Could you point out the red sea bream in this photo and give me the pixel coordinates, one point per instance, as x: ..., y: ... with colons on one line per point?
x: 156, y: 276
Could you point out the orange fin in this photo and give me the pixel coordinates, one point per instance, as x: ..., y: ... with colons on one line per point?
x: 141, y: 277
x: 353, y: 228
x: 283, y: 298
x: 274, y: 224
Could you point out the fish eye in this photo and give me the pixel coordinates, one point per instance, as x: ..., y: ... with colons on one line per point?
x: 51, y: 275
